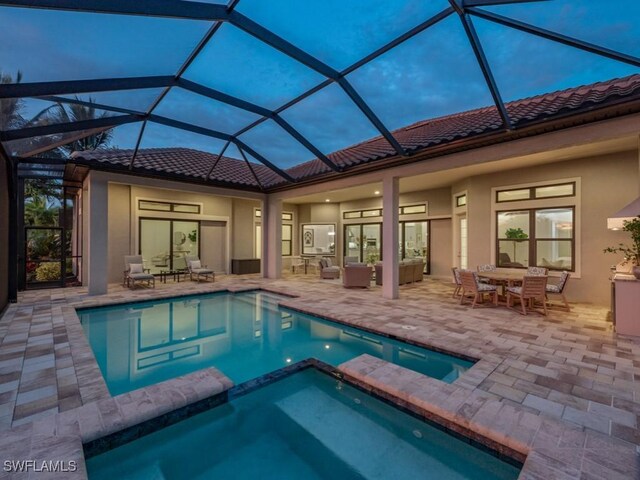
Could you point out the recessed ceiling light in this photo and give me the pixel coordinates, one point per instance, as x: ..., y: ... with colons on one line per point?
x: 327, y: 200
x: 377, y: 192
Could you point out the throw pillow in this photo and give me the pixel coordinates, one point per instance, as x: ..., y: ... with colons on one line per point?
x: 135, y: 268
x: 328, y: 260
x: 195, y: 264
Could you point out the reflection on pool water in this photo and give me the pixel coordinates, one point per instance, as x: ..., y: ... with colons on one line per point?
x: 244, y: 335
x: 307, y: 426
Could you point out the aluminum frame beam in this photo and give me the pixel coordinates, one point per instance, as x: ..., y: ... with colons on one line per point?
x: 67, y: 87
x: 178, y: 9
x: 221, y: 136
x: 21, y: 133
x: 556, y: 37
x: 481, y: 58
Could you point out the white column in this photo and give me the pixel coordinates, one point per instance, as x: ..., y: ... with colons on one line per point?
x: 272, y: 238
x: 97, y: 224
x: 390, y: 218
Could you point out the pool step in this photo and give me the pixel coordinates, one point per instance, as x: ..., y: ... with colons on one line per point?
x: 368, y: 448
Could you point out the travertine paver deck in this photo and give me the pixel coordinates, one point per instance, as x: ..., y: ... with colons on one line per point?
x: 568, y: 366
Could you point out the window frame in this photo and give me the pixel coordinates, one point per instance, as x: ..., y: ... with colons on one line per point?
x: 532, y: 192
x: 533, y: 239
x: 172, y: 207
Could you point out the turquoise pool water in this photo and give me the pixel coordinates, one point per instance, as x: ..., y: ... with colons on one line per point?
x: 244, y: 335
x: 307, y: 426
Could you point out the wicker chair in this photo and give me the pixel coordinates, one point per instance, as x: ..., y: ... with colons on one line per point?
x: 558, y: 289
x: 356, y: 276
x: 472, y: 287
x: 533, y: 288
x: 327, y: 269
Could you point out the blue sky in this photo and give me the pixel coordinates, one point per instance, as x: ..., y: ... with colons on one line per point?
x: 432, y: 74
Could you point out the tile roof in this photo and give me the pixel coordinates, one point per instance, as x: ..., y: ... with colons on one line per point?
x: 433, y: 132
x: 186, y: 163
x: 419, y: 136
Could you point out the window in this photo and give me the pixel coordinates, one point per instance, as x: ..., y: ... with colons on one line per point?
x: 541, y: 237
x: 372, y: 213
x: 461, y: 200
x: 411, y: 209
x: 286, y: 240
x: 547, y: 191
x: 287, y: 216
x: 168, y: 207
x: 349, y: 215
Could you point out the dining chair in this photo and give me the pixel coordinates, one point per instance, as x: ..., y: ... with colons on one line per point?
x: 558, y: 288
x: 457, y: 281
x: 472, y: 287
x: 537, y: 271
x: 486, y: 268
x: 533, y: 288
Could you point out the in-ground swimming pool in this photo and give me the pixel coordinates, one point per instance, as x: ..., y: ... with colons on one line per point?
x: 244, y: 335
x: 306, y: 426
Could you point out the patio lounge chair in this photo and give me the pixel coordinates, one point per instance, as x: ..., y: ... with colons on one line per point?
x: 356, y: 276
x: 134, y: 271
x: 471, y: 286
x: 533, y: 288
x: 558, y: 289
x: 195, y: 267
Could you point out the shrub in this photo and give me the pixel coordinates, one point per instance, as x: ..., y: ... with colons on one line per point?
x: 48, y: 271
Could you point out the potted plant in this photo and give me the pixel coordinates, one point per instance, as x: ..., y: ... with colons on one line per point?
x: 631, y: 252
x: 516, y: 235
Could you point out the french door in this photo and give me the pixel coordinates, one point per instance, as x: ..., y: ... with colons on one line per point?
x: 165, y: 244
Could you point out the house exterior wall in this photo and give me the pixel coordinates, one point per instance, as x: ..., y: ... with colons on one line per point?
x: 123, y: 216
x: 607, y: 184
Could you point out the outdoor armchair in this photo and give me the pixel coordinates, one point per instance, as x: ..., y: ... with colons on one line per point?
x: 558, y: 289
x: 195, y: 268
x: 134, y: 271
x: 356, y: 276
x: 327, y: 269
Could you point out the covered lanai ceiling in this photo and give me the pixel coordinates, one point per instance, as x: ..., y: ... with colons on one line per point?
x: 280, y: 90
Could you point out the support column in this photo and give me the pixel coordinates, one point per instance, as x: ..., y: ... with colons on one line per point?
x: 390, y: 219
x: 97, y: 250
x: 272, y: 238
x: 12, y: 265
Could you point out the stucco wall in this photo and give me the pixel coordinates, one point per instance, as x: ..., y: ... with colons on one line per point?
x: 4, y: 235
x: 243, y: 233
x: 607, y: 184
x: 120, y: 233
x: 123, y: 223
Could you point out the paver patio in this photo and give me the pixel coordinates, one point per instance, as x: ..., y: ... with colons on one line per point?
x: 569, y: 366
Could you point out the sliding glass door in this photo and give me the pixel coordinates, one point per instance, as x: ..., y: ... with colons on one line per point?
x: 364, y: 241
x: 414, y: 241
x: 165, y: 244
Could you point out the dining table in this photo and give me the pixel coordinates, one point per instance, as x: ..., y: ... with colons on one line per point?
x: 504, y: 279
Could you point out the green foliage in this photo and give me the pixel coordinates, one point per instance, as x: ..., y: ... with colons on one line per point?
x: 193, y: 236
x: 48, y: 271
x: 515, y: 234
x: 630, y: 252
